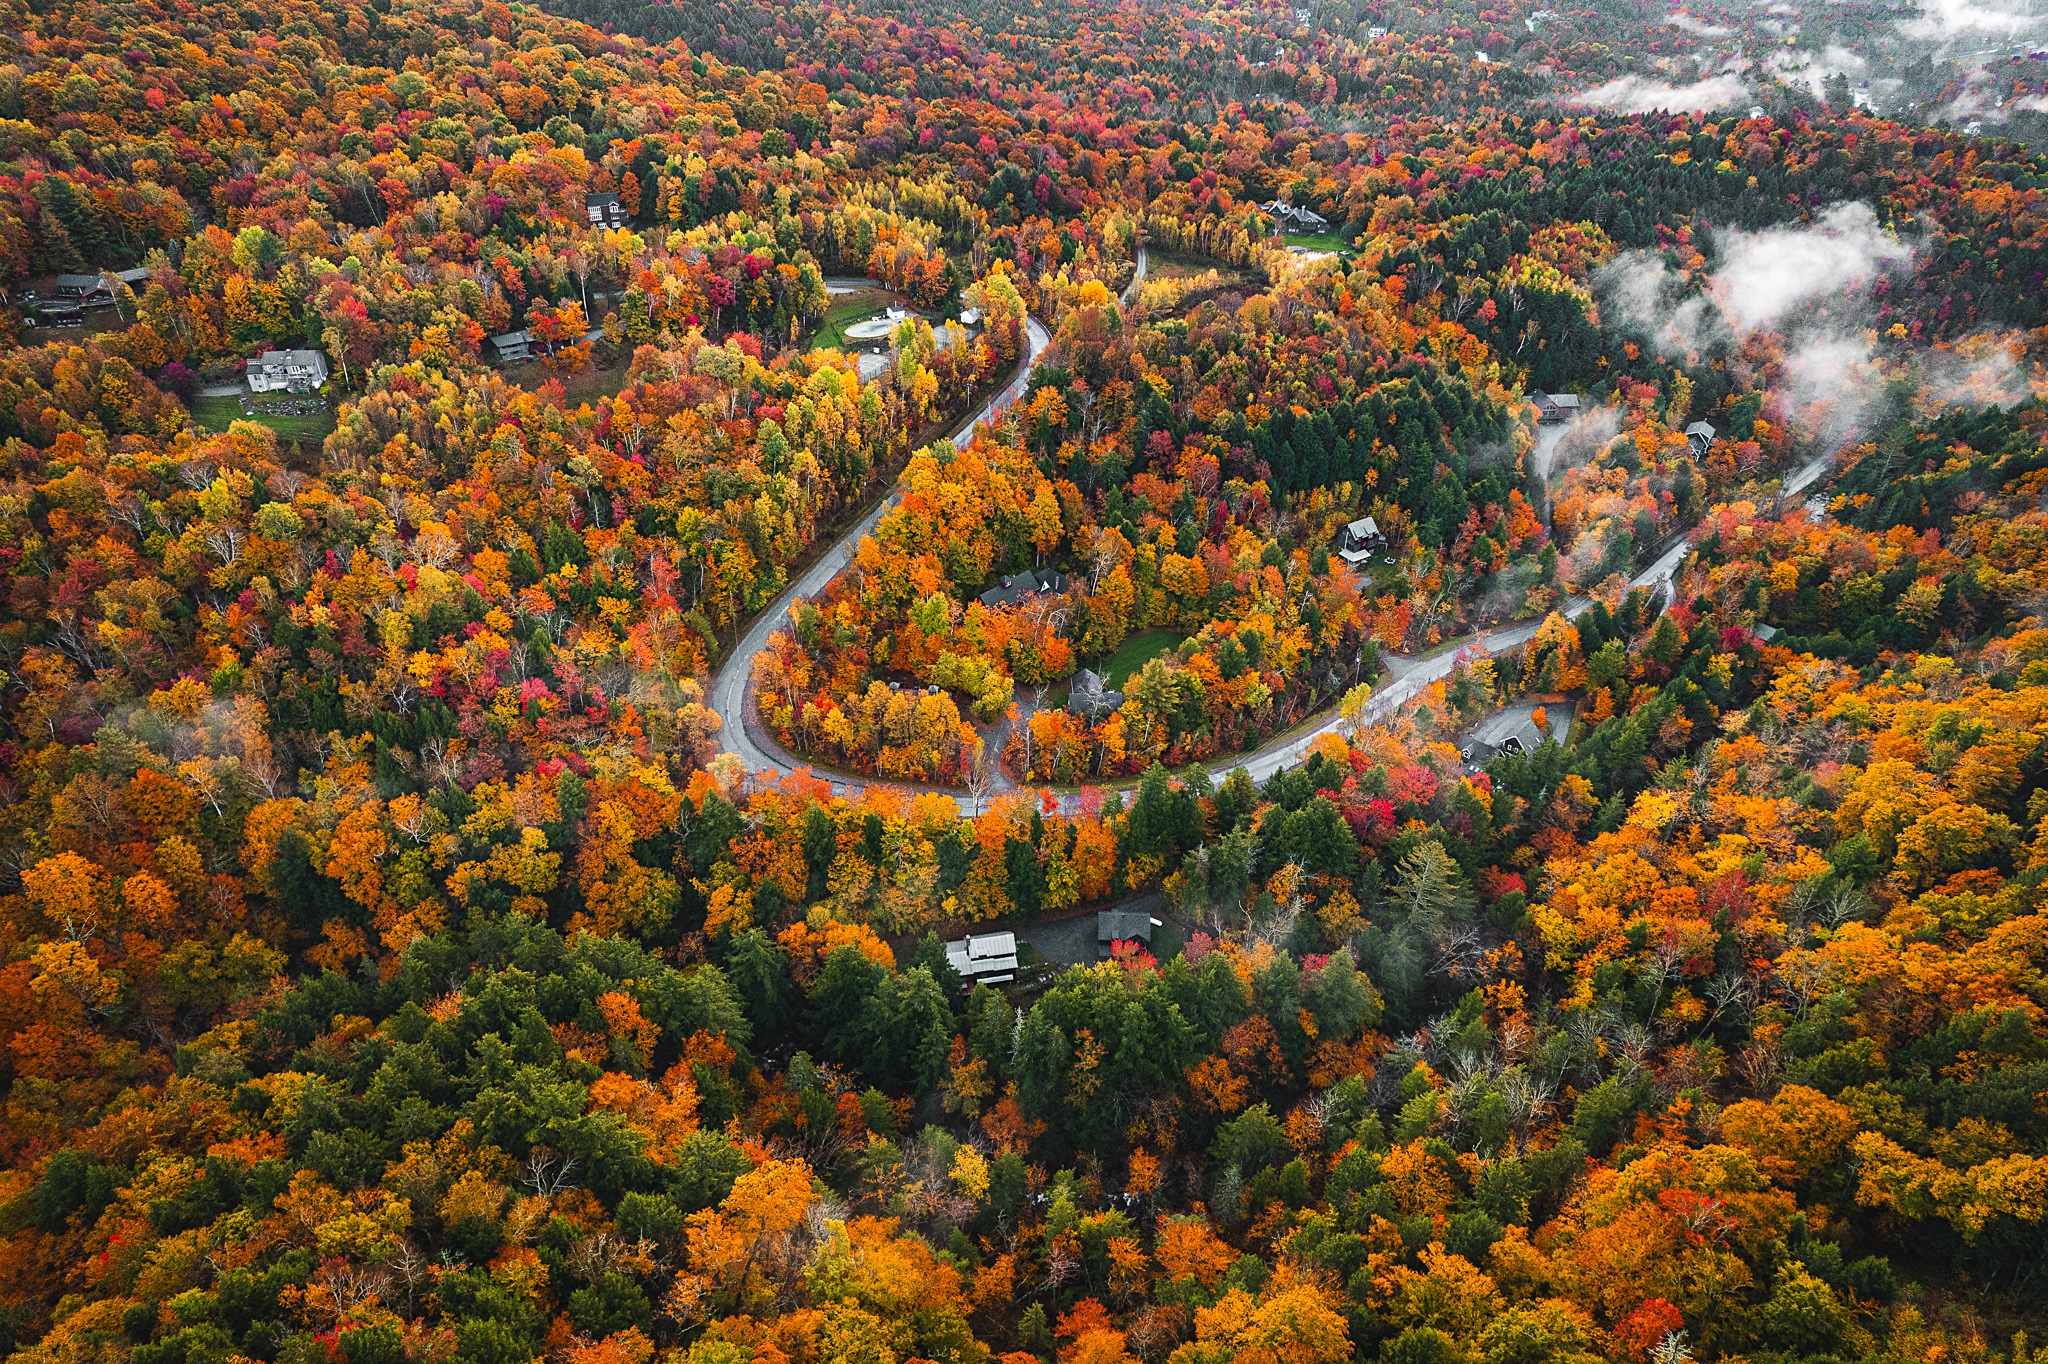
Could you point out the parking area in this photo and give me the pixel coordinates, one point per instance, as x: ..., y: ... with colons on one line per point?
x: 1071, y: 942
x: 1514, y: 727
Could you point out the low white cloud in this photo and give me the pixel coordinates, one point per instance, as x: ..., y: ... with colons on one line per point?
x: 1636, y: 95
x: 1970, y: 103
x: 1811, y: 70
x: 1678, y: 18
x: 1948, y: 19
x: 1801, y: 280
x: 1764, y: 274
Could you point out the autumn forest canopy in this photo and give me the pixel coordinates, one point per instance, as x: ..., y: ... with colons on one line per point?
x: 1073, y: 682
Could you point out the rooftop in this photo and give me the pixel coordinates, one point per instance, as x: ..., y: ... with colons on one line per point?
x: 1017, y: 587
x: 984, y: 956
x: 1124, y: 925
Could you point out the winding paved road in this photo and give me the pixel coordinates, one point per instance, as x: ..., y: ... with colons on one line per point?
x: 729, y: 687
x: 1409, y: 675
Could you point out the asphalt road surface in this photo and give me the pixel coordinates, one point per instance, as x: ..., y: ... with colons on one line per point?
x: 1409, y: 675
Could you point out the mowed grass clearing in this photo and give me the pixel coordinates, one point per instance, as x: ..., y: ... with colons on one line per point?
x: 1327, y: 242
x: 847, y: 309
x: 215, y: 414
x: 1135, y: 653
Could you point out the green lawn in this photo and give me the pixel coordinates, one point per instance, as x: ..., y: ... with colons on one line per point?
x: 846, y: 310
x: 1134, y: 654
x: 1327, y: 242
x: 214, y: 414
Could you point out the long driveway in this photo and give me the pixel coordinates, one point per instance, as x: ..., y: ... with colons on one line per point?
x: 1409, y: 676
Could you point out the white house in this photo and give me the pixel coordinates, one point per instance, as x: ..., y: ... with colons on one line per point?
x: 606, y: 210
x: 989, y: 958
x: 296, y: 370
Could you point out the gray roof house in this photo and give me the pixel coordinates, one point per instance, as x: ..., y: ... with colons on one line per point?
x: 1293, y: 218
x: 1359, y: 540
x: 1700, y: 435
x: 512, y: 347
x: 1122, y: 925
x: 1555, y: 407
x: 1088, y: 698
x: 984, y: 958
x: 1024, y: 586
x: 294, y: 370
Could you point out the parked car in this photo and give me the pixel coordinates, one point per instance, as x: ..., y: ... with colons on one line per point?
x: 52, y: 314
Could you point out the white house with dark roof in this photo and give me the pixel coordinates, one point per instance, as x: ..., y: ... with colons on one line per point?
x: 606, y: 210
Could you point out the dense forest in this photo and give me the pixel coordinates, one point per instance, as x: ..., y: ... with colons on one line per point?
x: 1163, y: 453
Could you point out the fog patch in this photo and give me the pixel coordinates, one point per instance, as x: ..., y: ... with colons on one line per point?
x: 1678, y: 18
x: 1811, y: 71
x: 1639, y: 95
x: 1819, y: 365
x: 1948, y: 20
